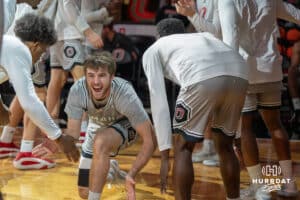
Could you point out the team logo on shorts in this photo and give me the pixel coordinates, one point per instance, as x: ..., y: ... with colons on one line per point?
x: 182, y: 112
x: 118, y: 54
x: 70, y: 51
x: 131, y: 135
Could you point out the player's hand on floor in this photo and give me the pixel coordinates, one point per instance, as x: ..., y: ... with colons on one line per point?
x: 130, y: 187
x: 67, y: 144
x: 46, y: 149
x: 164, y: 170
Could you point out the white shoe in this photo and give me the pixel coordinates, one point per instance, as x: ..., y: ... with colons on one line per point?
x: 214, y: 162
x: 284, y: 193
x: 115, y: 174
x: 8, y: 150
x: 261, y: 194
x: 295, y: 136
x: 255, y: 193
x: 25, y: 160
x: 203, y: 154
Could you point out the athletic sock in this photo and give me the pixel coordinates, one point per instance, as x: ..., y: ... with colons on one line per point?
x: 7, y: 134
x: 255, y: 173
x: 208, y: 145
x: 26, y: 145
x: 286, y: 167
x: 94, y: 195
x: 83, y: 127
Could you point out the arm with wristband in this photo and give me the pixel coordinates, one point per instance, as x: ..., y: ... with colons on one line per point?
x: 18, y: 71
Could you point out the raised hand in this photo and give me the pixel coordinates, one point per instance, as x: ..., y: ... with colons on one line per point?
x: 94, y: 39
x: 186, y: 7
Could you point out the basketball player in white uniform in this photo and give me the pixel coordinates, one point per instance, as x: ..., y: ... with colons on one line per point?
x: 252, y: 25
x: 37, y: 33
x: 204, y: 17
x: 116, y: 116
x: 16, y: 111
x: 16, y: 11
x: 210, y: 89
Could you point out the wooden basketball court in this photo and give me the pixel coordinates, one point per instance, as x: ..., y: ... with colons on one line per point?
x: 60, y: 183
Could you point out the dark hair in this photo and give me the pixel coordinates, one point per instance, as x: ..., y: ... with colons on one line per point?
x: 110, y: 26
x: 170, y: 26
x: 101, y: 60
x: 35, y: 28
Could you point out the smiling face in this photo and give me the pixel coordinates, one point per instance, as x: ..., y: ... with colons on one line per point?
x: 98, y: 82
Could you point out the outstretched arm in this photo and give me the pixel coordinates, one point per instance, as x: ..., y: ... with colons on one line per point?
x: 159, y: 105
x: 146, y: 131
x: 20, y: 77
x: 160, y: 109
x: 18, y: 71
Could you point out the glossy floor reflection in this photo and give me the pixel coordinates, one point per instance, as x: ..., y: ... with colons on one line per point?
x: 60, y: 182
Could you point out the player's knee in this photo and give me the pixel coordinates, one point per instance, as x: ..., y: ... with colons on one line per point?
x: 179, y: 141
x: 83, y: 192
x: 275, y: 128
x: 223, y: 143
x: 41, y: 95
x: 247, y: 122
x: 223, y: 147
x: 101, y: 145
x: 279, y: 134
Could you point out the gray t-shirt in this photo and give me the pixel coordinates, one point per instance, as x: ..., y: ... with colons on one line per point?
x: 122, y: 102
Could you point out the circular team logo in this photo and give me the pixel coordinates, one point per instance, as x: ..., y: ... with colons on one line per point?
x: 182, y: 112
x: 118, y: 54
x: 70, y: 51
x: 131, y: 135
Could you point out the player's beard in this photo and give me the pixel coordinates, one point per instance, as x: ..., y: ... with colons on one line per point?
x: 101, y: 95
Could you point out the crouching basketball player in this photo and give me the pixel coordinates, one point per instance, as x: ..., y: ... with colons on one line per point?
x: 116, y: 116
